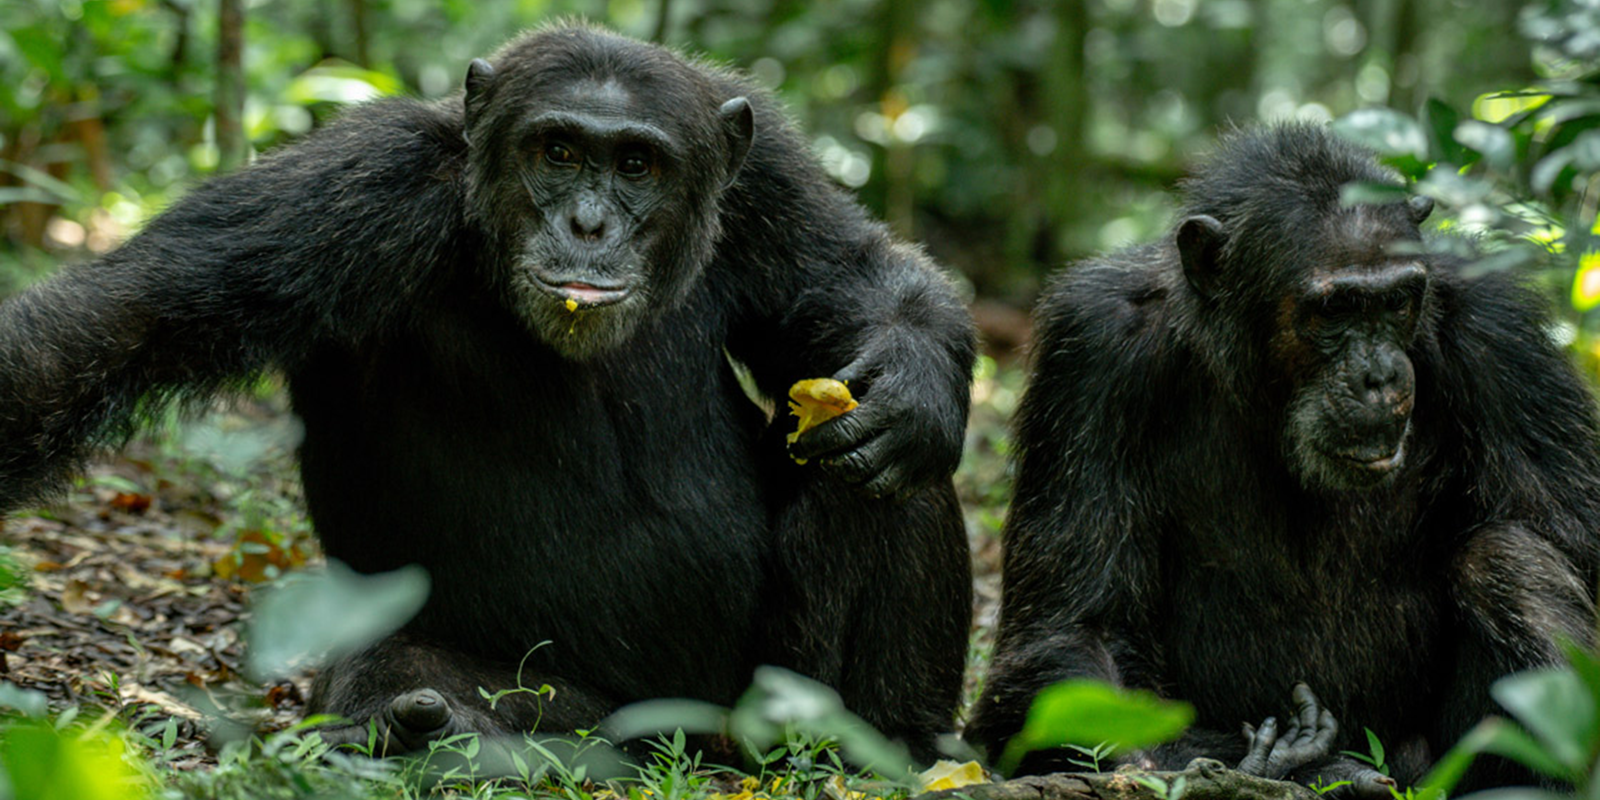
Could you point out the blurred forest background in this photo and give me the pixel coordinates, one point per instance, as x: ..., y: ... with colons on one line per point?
x: 1008, y: 135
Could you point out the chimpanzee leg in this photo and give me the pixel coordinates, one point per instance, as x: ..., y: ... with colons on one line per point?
x: 416, y: 692
x: 874, y: 598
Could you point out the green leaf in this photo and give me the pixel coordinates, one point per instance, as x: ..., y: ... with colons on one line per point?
x: 334, y: 611
x: 1555, y: 705
x: 1388, y: 132
x: 1494, y: 142
x: 1442, y: 122
x: 1376, y: 748
x: 336, y: 82
x: 30, y: 702
x: 1545, y: 173
x: 1088, y: 712
x: 1370, y: 193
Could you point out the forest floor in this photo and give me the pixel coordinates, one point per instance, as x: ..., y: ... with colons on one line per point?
x: 129, y: 597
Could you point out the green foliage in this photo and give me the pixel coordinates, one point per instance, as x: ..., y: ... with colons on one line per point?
x: 336, y: 610
x: 1088, y: 713
x: 1554, y: 728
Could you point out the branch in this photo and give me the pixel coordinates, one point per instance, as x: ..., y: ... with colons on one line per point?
x: 1204, y: 779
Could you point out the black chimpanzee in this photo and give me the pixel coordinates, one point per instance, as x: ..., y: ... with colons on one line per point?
x: 1286, y: 445
x: 505, y: 319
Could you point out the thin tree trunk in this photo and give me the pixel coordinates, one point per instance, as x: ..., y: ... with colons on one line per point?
x: 232, y: 148
x: 358, y: 17
x: 663, y: 19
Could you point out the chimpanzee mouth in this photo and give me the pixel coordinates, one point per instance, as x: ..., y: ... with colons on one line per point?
x: 584, y: 295
x: 1375, y: 460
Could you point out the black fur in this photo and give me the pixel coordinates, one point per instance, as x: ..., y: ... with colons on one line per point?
x: 615, y: 494
x: 1165, y: 534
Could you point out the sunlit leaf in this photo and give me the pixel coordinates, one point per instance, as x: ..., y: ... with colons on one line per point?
x: 1498, y: 107
x: 332, y: 611
x: 337, y: 82
x: 1586, y: 284
x: 46, y: 764
x: 1088, y: 713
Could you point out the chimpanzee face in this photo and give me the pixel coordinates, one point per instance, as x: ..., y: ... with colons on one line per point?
x: 1343, y: 333
x: 598, y: 179
x: 1354, y: 387
x: 1345, y: 291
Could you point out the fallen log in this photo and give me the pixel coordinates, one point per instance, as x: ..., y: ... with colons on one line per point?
x: 1203, y: 779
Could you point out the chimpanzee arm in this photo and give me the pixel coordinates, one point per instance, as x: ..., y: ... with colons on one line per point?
x: 329, y: 240
x: 828, y: 293
x: 1524, y: 567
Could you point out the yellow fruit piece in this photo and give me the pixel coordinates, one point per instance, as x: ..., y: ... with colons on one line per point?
x: 950, y: 775
x: 816, y: 401
x: 572, y: 305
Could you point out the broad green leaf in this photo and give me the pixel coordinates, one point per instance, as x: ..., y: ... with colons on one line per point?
x: 1498, y: 107
x: 1370, y: 193
x: 1442, y: 121
x: 46, y: 764
x: 1586, y: 151
x: 1388, y: 132
x: 1496, y: 736
x: 1556, y: 707
x: 1545, y: 173
x: 778, y: 699
x: 1586, y: 283
x: 335, y: 82
x: 652, y: 717
x: 1088, y: 712
x: 1493, y: 141
x: 30, y: 702
x: 333, y: 611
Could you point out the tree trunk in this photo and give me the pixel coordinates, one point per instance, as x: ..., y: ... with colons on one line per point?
x: 1204, y: 779
x: 232, y: 148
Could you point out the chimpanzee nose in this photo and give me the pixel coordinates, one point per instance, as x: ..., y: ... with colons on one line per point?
x: 588, y: 222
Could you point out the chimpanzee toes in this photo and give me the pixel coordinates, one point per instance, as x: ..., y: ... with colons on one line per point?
x: 417, y: 717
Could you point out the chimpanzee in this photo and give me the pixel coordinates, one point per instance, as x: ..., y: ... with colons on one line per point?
x: 506, y: 320
x: 1289, y: 444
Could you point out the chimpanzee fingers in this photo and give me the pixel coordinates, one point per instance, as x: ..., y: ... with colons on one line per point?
x: 1327, y: 730
x: 856, y: 466
x: 1307, y: 707
x: 847, y: 431
x: 1259, y: 742
x: 894, y: 480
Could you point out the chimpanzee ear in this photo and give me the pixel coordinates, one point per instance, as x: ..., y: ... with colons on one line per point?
x: 1420, y: 207
x: 1200, y: 240
x: 479, y: 76
x: 739, y: 125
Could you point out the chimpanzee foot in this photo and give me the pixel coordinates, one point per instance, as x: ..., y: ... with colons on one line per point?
x: 1307, y: 738
x: 409, y: 722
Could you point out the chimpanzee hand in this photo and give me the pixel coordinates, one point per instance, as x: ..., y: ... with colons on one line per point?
x: 1308, y: 738
x: 905, y: 434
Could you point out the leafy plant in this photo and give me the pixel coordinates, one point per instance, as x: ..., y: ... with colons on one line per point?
x: 1090, y: 713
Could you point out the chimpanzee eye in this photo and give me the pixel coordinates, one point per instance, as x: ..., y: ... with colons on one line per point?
x: 560, y: 155
x: 1400, y: 305
x: 633, y: 164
